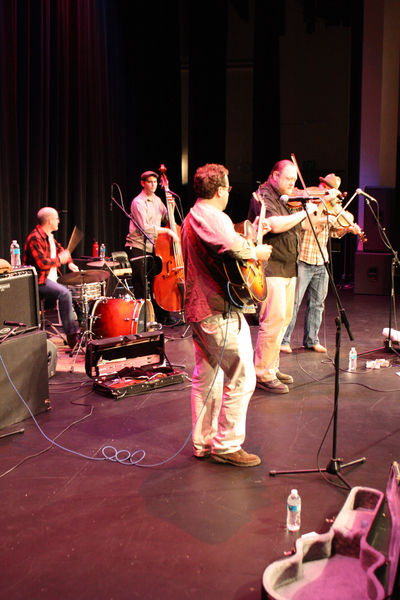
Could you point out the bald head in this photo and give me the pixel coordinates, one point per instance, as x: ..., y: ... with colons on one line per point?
x: 48, y: 218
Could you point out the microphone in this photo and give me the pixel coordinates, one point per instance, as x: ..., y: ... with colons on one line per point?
x: 14, y: 323
x: 285, y: 198
x: 359, y: 191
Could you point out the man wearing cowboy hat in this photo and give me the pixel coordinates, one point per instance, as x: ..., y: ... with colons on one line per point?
x: 312, y: 275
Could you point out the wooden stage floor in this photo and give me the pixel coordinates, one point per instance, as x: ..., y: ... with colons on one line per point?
x: 76, y: 526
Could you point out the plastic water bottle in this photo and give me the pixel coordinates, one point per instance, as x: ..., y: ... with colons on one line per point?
x: 15, y: 254
x: 293, y: 516
x: 95, y: 249
x: 352, y: 359
x: 102, y: 252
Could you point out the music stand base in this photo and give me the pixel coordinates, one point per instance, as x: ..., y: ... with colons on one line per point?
x: 334, y: 467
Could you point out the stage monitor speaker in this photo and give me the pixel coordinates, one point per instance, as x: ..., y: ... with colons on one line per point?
x: 386, y: 198
x: 25, y: 358
x: 372, y: 273
x: 19, y: 300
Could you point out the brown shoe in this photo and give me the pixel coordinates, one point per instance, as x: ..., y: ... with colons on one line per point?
x: 286, y: 348
x: 275, y: 386
x: 240, y: 458
x: 318, y: 348
x: 284, y: 377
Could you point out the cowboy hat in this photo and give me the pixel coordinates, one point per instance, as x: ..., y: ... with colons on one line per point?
x: 332, y: 180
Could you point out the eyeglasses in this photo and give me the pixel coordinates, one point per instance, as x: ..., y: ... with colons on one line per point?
x: 227, y: 187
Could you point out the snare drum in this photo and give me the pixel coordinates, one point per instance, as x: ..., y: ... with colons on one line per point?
x: 84, y: 292
x: 111, y: 317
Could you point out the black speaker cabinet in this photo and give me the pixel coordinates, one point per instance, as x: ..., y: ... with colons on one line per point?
x: 25, y: 360
x: 19, y: 300
x: 386, y: 198
x: 372, y: 273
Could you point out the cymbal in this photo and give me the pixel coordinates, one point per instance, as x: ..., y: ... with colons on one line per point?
x: 102, y: 263
x: 79, y: 277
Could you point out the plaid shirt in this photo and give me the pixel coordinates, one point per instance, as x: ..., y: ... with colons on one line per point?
x: 37, y: 253
x: 309, y: 251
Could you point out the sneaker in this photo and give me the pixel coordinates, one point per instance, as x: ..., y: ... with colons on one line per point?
x: 286, y: 348
x: 275, y: 386
x: 240, y: 458
x: 284, y: 377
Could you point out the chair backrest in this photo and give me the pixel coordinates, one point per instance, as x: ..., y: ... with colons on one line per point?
x: 122, y: 257
x: 125, y: 268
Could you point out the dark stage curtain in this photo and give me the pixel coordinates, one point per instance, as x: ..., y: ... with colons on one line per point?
x: 266, y: 130
x: 89, y: 95
x: 207, y: 83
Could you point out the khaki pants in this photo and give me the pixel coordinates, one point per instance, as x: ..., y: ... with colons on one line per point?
x: 275, y: 315
x: 218, y: 410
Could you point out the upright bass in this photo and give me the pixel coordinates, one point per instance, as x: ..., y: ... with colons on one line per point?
x: 169, y: 284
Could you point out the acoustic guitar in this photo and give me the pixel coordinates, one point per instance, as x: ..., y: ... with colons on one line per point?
x: 246, y: 278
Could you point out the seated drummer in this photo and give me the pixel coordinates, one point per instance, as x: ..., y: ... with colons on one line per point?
x: 44, y: 253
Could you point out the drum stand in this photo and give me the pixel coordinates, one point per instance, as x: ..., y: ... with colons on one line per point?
x: 86, y: 334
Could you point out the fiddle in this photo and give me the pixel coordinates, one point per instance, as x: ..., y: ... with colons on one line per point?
x: 344, y: 218
x: 314, y: 193
x: 331, y: 197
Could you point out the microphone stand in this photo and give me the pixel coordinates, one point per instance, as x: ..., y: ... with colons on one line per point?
x: 335, y: 465
x: 151, y: 241
x: 395, y: 262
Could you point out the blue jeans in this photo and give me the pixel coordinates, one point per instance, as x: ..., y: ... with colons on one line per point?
x: 55, y: 291
x: 313, y: 279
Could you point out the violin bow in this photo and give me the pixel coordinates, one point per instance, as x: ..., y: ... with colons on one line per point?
x: 294, y: 161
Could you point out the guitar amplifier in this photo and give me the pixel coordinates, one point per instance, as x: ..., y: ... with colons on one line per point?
x: 24, y: 363
x: 129, y: 365
x: 19, y: 300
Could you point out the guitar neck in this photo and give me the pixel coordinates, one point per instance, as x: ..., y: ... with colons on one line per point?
x: 262, y: 217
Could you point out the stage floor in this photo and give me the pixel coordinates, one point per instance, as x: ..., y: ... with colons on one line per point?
x: 77, y: 526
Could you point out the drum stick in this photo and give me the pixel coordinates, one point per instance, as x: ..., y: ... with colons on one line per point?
x: 74, y: 240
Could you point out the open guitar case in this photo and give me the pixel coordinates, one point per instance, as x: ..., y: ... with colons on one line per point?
x: 130, y: 364
x: 357, y: 559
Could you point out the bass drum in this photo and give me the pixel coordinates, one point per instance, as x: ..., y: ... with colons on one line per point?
x: 111, y: 317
